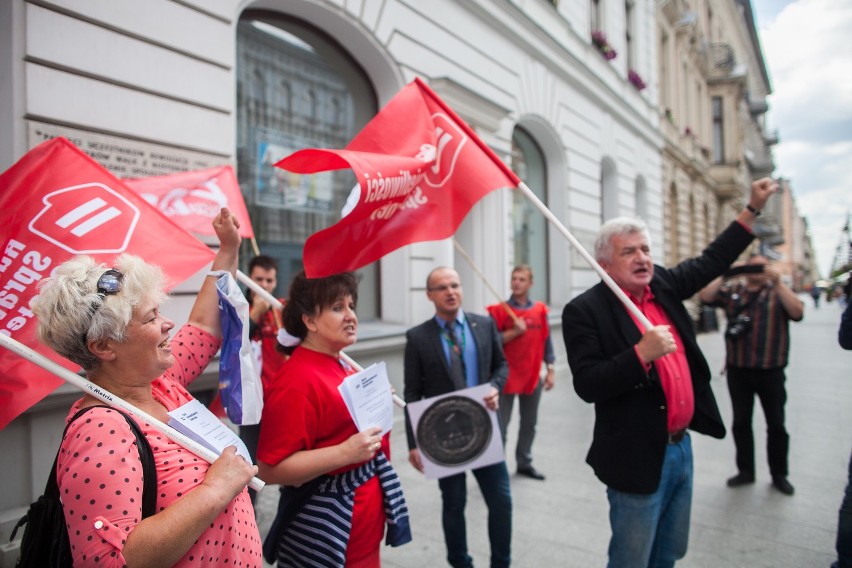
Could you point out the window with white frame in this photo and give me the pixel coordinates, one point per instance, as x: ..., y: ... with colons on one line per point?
x: 718, y: 131
x: 673, y: 223
x: 629, y: 33
x: 529, y: 225
x: 595, y: 15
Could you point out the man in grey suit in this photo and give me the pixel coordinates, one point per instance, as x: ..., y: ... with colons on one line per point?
x: 448, y: 352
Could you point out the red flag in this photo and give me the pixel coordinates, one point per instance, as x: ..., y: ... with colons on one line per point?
x: 193, y: 199
x: 55, y: 203
x: 420, y: 169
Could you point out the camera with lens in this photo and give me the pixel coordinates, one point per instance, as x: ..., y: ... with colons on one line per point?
x: 738, y: 328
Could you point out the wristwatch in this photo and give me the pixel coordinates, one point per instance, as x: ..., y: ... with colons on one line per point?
x: 550, y: 366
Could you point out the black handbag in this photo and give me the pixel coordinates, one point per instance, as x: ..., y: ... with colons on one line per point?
x: 45, y: 542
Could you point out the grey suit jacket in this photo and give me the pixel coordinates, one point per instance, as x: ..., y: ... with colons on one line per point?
x: 427, y: 371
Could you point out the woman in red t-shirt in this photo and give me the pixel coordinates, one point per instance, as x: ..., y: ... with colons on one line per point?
x: 307, y: 435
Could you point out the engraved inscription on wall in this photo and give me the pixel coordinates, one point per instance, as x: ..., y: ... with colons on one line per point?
x: 126, y: 158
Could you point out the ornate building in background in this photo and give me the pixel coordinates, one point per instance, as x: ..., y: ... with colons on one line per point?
x: 713, y: 89
x: 713, y: 93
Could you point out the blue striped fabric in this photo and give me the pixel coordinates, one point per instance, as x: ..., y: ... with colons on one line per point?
x: 319, y: 534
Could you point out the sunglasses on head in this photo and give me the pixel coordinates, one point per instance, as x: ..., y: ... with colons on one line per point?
x: 109, y: 283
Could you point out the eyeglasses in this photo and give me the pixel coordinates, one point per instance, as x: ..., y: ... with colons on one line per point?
x: 109, y: 283
x: 445, y: 287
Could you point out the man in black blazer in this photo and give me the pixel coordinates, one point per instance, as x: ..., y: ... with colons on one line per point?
x: 648, y: 386
x: 428, y: 356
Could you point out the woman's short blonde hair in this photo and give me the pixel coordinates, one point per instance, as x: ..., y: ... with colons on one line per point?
x: 71, y: 312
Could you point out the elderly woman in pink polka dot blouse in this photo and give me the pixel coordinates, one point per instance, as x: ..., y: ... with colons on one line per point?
x: 109, y: 322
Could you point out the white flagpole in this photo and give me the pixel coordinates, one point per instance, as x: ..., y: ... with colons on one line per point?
x: 607, y: 279
x: 92, y: 389
x: 257, y: 289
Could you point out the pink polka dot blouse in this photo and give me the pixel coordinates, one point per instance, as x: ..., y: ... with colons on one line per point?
x: 100, y: 476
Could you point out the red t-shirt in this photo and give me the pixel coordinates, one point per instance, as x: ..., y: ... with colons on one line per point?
x: 303, y: 410
x: 673, y: 369
x: 526, y: 352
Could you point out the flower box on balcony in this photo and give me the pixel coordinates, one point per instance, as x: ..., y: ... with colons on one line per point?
x: 635, y: 80
x: 599, y: 41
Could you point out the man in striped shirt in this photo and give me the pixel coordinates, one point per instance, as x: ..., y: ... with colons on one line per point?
x: 759, y: 309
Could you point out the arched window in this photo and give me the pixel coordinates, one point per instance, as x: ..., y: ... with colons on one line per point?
x: 530, y: 226
x: 321, y: 99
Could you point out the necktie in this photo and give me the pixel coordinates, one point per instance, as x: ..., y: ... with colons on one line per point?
x: 457, y: 373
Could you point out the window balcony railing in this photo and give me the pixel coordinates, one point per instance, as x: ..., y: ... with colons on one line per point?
x: 722, y: 56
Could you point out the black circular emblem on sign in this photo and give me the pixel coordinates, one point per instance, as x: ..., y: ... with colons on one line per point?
x: 454, y: 431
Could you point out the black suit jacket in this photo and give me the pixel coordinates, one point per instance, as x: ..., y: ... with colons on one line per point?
x: 427, y: 371
x: 630, y: 433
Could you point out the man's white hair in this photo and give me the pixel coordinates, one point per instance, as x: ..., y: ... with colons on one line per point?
x: 617, y: 227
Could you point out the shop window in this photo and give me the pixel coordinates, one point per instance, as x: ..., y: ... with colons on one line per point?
x: 296, y: 88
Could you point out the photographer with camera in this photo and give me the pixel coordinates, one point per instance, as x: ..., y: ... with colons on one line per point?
x: 758, y: 306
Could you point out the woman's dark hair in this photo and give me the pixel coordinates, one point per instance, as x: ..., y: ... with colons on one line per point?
x: 309, y: 296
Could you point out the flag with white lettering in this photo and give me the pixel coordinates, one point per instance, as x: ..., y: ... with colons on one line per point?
x: 56, y: 203
x: 193, y: 199
x: 420, y: 169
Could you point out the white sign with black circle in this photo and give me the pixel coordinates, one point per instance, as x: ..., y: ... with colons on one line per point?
x: 456, y: 432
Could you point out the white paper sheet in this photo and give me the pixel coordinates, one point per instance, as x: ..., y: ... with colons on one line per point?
x: 367, y: 395
x: 194, y: 419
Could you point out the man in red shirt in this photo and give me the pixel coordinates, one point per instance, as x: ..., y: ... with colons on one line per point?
x: 525, y: 331
x: 648, y: 385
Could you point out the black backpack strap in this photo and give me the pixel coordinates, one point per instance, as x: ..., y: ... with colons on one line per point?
x: 146, y: 456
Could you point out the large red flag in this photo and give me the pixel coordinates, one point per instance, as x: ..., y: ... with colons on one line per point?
x: 193, y: 199
x: 420, y: 169
x: 55, y: 203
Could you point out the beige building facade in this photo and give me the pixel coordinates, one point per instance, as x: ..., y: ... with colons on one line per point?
x: 713, y: 93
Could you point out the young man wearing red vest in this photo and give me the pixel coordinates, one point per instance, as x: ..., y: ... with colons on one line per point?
x: 526, y: 342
